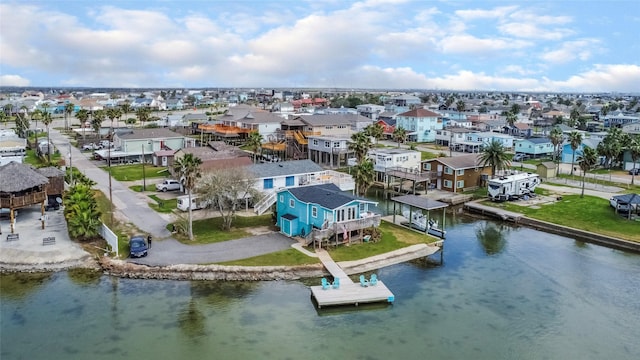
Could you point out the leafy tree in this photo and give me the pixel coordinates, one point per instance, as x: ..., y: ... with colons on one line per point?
x: 604, y: 110
x: 575, y: 139
x: 574, y: 116
x: 254, y: 141
x: 22, y: 122
x: 515, y: 109
x: 226, y: 190
x: 495, y: 156
x: 187, y: 169
x: 81, y: 212
x: 632, y: 144
x: 460, y: 106
x: 363, y: 175
x: 587, y: 161
x: 375, y: 131
x: 400, y: 135
x: 360, y: 144
x: 4, y: 118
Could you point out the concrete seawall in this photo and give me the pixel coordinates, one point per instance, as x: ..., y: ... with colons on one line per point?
x: 578, y: 234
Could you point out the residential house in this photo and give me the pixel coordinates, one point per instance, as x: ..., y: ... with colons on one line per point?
x: 271, y: 177
x: 12, y: 147
x: 421, y: 124
x: 455, y: 174
x: 238, y: 121
x: 370, y: 111
x: 388, y: 126
x: 217, y: 155
x: 535, y: 147
x: 141, y: 144
x: 452, y: 136
x: 520, y: 129
x: 620, y: 119
x: 334, y: 125
x: 332, y: 151
x: 567, y: 152
x: 475, y: 141
x: 402, y: 103
x: 322, y: 213
x: 174, y: 104
x: 393, y: 159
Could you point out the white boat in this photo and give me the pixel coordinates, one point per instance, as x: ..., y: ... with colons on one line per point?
x: 420, y: 222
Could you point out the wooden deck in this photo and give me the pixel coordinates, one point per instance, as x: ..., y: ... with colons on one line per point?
x: 348, y: 293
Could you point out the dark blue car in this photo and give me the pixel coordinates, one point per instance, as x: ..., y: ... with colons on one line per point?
x: 138, y: 246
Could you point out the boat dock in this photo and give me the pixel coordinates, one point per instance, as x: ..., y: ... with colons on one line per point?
x: 494, y: 211
x: 348, y: 292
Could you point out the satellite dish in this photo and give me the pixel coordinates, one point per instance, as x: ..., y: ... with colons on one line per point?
x: 59, y: 200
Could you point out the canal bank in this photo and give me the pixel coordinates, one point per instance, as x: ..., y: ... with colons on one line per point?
x: 475, y: 207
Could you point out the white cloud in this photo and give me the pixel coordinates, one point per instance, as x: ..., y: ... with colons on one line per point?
x: 13, y: 80
x: 579, y: 49
x: 603, y: 77
x: 495, y: 13
x: 469, y: 44
x: 533, y: 31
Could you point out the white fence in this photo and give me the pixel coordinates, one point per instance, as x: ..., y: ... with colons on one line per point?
x: 110, y: 237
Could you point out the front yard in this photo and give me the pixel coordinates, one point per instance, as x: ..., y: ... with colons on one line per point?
x: 134, y: 172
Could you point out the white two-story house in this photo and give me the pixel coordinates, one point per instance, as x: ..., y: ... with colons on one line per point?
x: 394, y: 159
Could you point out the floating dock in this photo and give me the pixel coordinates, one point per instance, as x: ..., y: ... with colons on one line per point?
x: 348, y: 293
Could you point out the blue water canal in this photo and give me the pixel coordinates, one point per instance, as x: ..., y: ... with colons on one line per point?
x: 502, y: 293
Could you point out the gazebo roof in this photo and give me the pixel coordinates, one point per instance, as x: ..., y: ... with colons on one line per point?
x: 50, y: 171
x: 16, y: 177
x: 419, y: 202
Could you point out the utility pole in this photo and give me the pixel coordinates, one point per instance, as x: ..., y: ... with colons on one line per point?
x: 144, y: 177
x: 110, y: 190
x: 70, y: 167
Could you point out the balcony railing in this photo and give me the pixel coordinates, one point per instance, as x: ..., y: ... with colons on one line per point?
x: 367, y: 220
x: 24, y: 200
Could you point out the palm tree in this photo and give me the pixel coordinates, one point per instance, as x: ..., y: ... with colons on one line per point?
x: 575, y: 139
x: 68, y: 110
x: 495, y: 156
x: 460, y: 106
x: 254, y: 142
x: 587, y: 161
x: 363, y: 175
x: 188, y: 170
x: 511, y: 118
x: 82, y: 115
x: 400, y: 135
x: 36, y: 115
x: 112, y: 114
x: 98, y: 119
x: 556, y: 138
x: 126, y: 108
x: 360, y: 144
x: 375, y: 131
x: 574, y: 116
x: 4, y: 118
x: 632, y: 144
x: 47, y: 120
x: 143, y: 115
x: 81, y: 211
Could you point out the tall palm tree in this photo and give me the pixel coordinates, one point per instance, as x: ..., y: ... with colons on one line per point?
x: 632, y: 144
x: 98, y: 118
x: 360, y: 144
x: 575, y: 139
x: 112, y: 114
x: 143, y: 115
x: 47, y: 120
x: 574, y: 116
x: 557, y: 138
x: 254, y: 142
x: 68, y: 110
x: 363, y: 175
x: 511, y: 118
x: 375, y: 131
x: 82, y: 115
x: 400, y: 135
x: 495, y: 156
x: 188, y: 170
x: 126, y: 108
x: 587, y: 161
x: 460, y: 106
x: 35, y: 116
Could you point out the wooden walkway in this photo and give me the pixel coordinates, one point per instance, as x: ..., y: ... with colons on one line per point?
x: 494, y: 211
x: 348, y: 293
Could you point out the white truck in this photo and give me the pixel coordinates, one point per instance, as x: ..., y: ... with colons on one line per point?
x: 197, y: 203
x: 513, y: 186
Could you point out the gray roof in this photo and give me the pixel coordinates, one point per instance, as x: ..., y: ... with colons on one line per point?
x: 284, y: 168
x: 460, y: 162
x: 250, y: 115
x: 151, y: 133
x: 633, y: 199
x: 420, y: 202
x: 17, y: 177
x: 329, y: 196
x: 539, y: 140
x: 50, y: 171
x: 332, y: 119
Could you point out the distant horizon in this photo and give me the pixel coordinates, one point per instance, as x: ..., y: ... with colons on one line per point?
x: 502, y: 46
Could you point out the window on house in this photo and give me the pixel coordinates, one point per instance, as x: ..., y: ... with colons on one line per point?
x: 447, y: 183
x: 268, y: 184
x: 336, y: 144
x: 448, y: 170
x: 314, y: 212
x: 362, y: 208
x: 328, y: 127
x: 460, y: 172
x: 281, y: 199
x: 289, y: 181
x: 315, y: 142
x: 327, y: 144
x: 460, y: 184
x: 292, y: 203
x: 427, y: 166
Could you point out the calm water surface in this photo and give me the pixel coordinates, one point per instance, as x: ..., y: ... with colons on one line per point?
x: 502, y: 293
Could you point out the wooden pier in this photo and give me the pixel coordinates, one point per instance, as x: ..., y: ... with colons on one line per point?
x: 493, y: 211
x: 348, y: 293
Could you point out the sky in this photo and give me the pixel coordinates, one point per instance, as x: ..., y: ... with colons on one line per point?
x: 554, y: 46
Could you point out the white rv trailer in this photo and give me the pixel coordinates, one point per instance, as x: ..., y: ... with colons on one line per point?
x: 512, y: 186
x: 196, y: 203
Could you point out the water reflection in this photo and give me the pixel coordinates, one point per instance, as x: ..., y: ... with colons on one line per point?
x: 84, y: 277
x: 492, y: 236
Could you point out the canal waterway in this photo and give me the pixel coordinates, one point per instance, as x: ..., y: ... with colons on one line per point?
x: 502, y: 293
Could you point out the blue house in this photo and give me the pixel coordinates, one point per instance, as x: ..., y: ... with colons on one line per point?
x: 535, y: 147
x: 421, y: 124
x: 567, y: 151
x: 323, y: 213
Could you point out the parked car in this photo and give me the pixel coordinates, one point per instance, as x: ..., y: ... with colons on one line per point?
x: 91, y: 146
x: 634, y: 171
x: 520, y: 157
x: 168, y: 185
x: 138, y: 246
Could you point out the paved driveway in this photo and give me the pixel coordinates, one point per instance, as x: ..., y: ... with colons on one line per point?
x: 170, y: 251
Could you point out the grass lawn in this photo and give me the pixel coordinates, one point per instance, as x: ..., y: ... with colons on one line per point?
x: 628, y: 188
x: 425, y: 155
x: 289, y: 257
x: 105, y: 217
x: 134, y: 172
x: 208, y: 231
x: 589, y: 213
x: 32, y: 158
x: 163, y: 206
x: 137, y: 188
